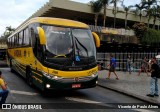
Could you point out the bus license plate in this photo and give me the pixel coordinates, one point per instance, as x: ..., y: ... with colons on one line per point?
x: 76, y: 85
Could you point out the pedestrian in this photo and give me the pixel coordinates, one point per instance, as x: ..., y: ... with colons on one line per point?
x: 3, y: 92
x: 150, y: 64
x: 154, y: 79
x: 144, y: 66
x: 112, y: 66
x: 129, y: 62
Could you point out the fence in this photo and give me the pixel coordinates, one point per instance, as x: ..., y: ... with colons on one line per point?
x: 121, y: 59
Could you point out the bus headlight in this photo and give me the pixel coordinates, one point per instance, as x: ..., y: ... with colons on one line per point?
x: 49, y: 76
x: 95, y: 74
x: 44, y: 73
x: 48, y: 85
x: 55, y: 77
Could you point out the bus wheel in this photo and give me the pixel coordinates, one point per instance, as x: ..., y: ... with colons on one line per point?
x: 45, y: 92
x: 11, y: 69
x: 29, y: 78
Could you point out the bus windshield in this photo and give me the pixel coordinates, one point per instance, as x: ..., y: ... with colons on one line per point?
x: 84, y: 45
x: 60, y: 41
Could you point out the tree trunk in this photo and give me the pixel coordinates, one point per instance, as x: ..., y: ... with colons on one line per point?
x: 114, y: 18
x: 115, y: 21
x: 148, y: 22
x: 140, y: 16
x: 154, y: 21
x: 104, y: 17
x: 96, y: 18
x: 126, y: 21
x: 115, y: 12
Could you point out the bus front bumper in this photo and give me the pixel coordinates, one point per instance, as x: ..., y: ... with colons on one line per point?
x: 69, y: 84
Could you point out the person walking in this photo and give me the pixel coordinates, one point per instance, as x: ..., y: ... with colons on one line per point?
x: 112, y: 66
x: 3, y: 92
x: 154, y: 79
x: 144, y: 66
x: 129, y: 62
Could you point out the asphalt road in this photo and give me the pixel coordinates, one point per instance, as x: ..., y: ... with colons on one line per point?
x: 86, y: 100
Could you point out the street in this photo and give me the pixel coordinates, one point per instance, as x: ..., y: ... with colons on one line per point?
x: 86, y: 99
x: 80, y: 56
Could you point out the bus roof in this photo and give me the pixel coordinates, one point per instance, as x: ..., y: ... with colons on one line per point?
x: 52, y: 21
x: 59, y: 22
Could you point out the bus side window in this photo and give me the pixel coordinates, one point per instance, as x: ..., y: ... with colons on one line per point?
x: 20, y: 38
x: 8, y: 42
x: 15, y: 40
x: 34, y: 41
x: 26, y: 37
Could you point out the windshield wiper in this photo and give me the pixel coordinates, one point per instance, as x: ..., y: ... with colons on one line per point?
x: 81, y: 46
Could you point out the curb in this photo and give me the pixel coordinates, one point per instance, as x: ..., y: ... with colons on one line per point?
x: 142, y: 98
x: 4, y: 66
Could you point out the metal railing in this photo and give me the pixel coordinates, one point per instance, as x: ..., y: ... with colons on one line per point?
x: 121, y: 59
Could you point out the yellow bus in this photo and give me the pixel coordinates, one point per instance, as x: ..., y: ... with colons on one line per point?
x: 54, y: 53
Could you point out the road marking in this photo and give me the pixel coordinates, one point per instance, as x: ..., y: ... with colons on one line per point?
x: 102, y: 104
x: 87, y: 101
x: 81, y: 100
x: 23, y: 92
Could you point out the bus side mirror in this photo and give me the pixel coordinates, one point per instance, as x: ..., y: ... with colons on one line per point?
x: 42, y: 36
x: 96, y: 39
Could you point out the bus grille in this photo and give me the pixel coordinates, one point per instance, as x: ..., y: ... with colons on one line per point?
x: 80, y: 79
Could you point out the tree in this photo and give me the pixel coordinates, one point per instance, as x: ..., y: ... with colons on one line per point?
x: 155, y: 11
x: 126, y: 9
x: 151, y: 37
x: 115, y: 10
x: 140, y: 7
x: 9, y: 30
x: 96, y: 7
x: 148, y: 4
x: 104, y: 4
x: 140, y: 29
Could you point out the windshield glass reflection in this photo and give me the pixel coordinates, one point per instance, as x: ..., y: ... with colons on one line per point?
x: 64, y: 42
x: 84, y: 43
x: 59, y: 40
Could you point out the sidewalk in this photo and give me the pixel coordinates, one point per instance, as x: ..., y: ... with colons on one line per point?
x: 129, y: 84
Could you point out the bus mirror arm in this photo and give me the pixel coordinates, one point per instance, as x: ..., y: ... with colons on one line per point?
x: 43, y: 52
x: 41, y: 35
x: 96, y: 39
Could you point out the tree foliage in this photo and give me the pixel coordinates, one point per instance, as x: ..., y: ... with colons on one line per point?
x: 140, y: 7
x: 105, y: 4
x: 96, y: 8
x: 151, y: 36
x: 140, y: 29
x: 9, y: 30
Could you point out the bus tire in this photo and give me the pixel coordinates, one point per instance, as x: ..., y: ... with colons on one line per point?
x: 11, y: 66
x: 45, y: 92
x: 29, y: 78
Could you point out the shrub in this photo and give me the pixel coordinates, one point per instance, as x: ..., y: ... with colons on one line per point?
x: 151, y: 36
x: 140, y: 29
